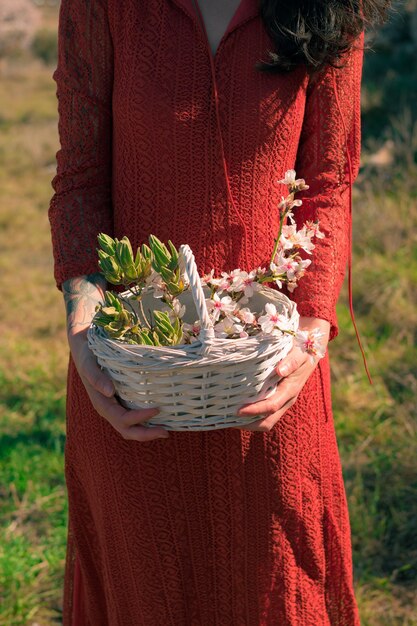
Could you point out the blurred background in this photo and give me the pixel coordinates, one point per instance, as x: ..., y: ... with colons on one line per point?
x: 376, y: 426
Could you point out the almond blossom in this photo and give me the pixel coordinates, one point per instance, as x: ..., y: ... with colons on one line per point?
x: 291, y: 267
x: 246, y: 282
x: 314, y: 228
x: 227, y: 327
x: 176, y: 310
x: 290, y: 180
x: 245, y: 315
x: 207, y: 278
x: 273, y: 322
x: 223, y: 283
x: 191, y: 331
x: 309, y: 341
x: 288, y: 203
x: 217, y: 305
x: 293, y: 238
x: 157, y: 285
x: 291, y: 285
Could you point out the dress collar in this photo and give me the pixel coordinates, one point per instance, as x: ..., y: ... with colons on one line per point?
x: 246, y: 10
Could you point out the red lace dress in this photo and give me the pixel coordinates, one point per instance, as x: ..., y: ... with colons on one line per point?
x: 218, y: 528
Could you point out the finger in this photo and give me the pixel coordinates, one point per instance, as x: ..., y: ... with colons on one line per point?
x: 113, y: 411
x: 291, y: 363
x: 141, y: 433
x: 135, y: 417
x: 267, y: 423
x: 96, y: 377
x: 128, y: 423
x: 270, y: 405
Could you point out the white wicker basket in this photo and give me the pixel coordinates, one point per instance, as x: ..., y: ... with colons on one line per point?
x: 198, y: 386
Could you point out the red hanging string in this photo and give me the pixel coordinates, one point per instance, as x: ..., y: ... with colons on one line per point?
x: 349, y: 164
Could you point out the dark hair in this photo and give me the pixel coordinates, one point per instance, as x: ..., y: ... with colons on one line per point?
x: 315, y: 33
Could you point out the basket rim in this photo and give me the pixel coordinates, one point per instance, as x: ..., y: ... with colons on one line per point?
x: 218, y: 342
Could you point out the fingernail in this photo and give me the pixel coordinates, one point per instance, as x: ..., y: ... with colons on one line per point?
x: 283, y: 369
x: 108, y: 389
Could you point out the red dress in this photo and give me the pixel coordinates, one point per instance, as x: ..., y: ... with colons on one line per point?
x: 217, y: 528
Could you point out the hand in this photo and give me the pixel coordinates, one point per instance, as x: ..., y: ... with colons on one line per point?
x: 295, y: 369
x: 81, y: 295
x: 100, y: 389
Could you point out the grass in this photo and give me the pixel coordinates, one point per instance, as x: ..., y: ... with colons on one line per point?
x: 33, y: 505
x: 376, y: 426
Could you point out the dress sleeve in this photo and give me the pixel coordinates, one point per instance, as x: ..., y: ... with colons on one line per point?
x: 81, y: 206
x: 328, y: 159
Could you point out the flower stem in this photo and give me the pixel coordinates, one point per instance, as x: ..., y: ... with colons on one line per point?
x: 281, y: 223
x: 129, y: 305
x: 139, y: 300
x: 145, y: 319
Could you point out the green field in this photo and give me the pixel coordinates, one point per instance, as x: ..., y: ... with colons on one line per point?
x: 376, y: 425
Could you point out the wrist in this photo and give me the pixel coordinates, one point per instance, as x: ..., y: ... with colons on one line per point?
x: 81, y: 296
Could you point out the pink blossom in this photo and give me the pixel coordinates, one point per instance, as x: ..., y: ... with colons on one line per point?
x: 291, y: 181
x: 177, y: 310
x: 217, y: 305
x: 285, y: 265
x: 242, y: 281
x: 309, y: 341
x: 260, y: 271
x: 158, y: 286
x: 207, y: 278
x: 227, y: 327
x: 246, y: 315
x: 314, y: 228
x: 288, y: 203
x: 291, y: 285
x: 272, y: 322
x: 293, y: 238
x: 302, y: 266
x: 191, y: 331
x: 223, y: 283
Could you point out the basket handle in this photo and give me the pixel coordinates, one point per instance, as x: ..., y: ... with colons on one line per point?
x: 206, y: 334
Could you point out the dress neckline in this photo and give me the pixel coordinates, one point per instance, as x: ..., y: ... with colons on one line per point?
x: 229, y: 26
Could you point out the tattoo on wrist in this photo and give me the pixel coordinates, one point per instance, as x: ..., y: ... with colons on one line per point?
x: 81, y: 295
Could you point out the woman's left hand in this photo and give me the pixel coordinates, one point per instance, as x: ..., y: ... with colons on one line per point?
x: 294, y: 369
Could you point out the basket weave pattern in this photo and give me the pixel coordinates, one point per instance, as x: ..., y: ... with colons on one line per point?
x: 199, y: 386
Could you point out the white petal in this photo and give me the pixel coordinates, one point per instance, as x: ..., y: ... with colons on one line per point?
x: 270, y: 308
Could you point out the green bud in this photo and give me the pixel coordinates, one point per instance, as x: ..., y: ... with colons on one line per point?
x: 146, y: 337
x: 109, y: 266
x: 106, y: 243
x: 159, y: 250
x: 109, y: 310
x: 131, y: 273
x: 124, y: 253
x: 146, y: 252
x: 112, y: 300
x: 174, y: 256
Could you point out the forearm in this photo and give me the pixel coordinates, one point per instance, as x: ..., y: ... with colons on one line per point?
x: 81, y: 296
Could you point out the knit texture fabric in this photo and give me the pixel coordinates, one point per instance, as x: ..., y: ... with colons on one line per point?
x: 218, y: 528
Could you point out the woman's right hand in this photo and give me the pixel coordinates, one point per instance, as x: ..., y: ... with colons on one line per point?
x: 81, y: 294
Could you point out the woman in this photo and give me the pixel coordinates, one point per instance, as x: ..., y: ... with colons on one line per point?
x: 170, y: 129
